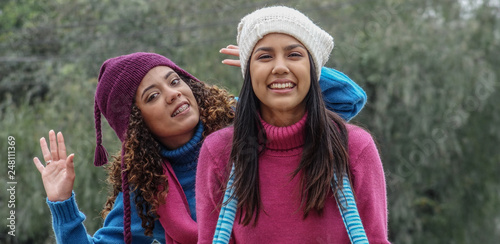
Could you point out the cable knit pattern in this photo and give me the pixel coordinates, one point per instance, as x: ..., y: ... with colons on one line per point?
x: 281, y: 219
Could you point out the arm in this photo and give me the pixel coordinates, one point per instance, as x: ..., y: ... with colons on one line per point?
x: 67, y: 220
x: 369, y: 186
x: 341, y: 95
x: 113, y: 225
x: 208, y: 195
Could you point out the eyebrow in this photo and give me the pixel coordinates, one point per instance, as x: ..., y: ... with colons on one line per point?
x: 152, y: 86
x: 287, y: 48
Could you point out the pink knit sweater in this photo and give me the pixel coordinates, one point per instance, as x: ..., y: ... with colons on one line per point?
x: 281, y: 217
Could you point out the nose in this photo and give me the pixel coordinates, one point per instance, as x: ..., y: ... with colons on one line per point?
x: 171, y: 95
x: 280, y: 66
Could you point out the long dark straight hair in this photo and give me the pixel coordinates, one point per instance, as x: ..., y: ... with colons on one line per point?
x: 325, y: 151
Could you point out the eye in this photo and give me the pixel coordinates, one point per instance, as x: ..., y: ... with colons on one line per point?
x: 175, y: 81
x: 295, y: 54
x: 152, y: 96
x: 264, y: 56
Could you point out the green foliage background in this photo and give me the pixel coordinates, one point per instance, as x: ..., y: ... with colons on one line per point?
x: 431, y: 70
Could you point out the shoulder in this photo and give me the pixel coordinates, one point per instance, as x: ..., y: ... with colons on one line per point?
x: 214, y: 155
x: 359, y: 140
x: 357, y: 134
x: 217, y: 145
x: 222, y: 136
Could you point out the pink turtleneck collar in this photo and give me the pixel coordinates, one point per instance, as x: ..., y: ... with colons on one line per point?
x: 285, y: 138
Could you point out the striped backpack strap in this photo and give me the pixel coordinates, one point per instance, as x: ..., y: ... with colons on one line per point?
x: 349, y: 212
x: 350, y: 215
x: 227, y: 214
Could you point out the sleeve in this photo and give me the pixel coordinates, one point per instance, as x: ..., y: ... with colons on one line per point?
x: 370, y: 189
x: 341, y: 94
x: 208, y: 195
x: 67, y: 222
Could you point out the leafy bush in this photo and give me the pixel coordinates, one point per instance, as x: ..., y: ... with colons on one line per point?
x: 430, y: 69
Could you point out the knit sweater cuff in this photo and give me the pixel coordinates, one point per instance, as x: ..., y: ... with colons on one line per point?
x: 64, y: 211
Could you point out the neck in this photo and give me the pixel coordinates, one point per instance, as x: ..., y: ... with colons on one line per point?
x: 187, y: 153
x: 174, y: 142
x: 282, y: 118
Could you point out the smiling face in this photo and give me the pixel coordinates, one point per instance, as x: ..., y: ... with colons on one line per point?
x: 168, y: 107
x: 281, y: 78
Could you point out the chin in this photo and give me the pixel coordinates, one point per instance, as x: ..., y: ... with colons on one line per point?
x: 283, y: 106
x: 193, y: 120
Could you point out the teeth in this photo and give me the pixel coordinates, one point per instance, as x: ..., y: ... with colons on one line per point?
x: 180, y: 110
x: 281, y: 85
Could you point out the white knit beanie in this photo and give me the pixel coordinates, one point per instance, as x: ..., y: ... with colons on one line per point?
x: 285, y: 20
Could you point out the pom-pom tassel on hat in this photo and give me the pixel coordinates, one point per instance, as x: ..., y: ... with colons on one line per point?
x: 100, y: 155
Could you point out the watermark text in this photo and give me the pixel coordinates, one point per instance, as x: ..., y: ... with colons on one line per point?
x: 11, y: 185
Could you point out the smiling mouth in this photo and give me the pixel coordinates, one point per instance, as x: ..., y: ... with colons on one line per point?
x: 286, y: 85
x: 180, y: 110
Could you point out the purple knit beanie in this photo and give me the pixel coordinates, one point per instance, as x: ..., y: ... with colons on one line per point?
x: 118, y: 81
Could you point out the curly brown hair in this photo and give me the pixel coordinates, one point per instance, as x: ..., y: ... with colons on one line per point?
x: 142, y: 158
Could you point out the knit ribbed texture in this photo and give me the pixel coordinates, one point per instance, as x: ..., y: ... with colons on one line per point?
x: 350, y: 214
x: 285, y: 20
x: 62, y: 213
x: 184, y: 160
x: 285, y: 138
x: 227, y: 213
x: 341, y: 95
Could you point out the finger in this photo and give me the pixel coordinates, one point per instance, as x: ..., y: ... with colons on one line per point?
x: 231, y: 46
x: 70, y: 159
x: 53, y: 146
x: 60, y: 145
x: 229, y: 51
x: 45, y: 149
x: 38, y: 164
x: 70, y: 162
x: 232, y: 62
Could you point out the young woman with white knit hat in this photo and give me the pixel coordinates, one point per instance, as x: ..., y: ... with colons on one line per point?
x: 288, y: 170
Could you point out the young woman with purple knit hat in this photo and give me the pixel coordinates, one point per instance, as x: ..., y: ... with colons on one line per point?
x: 161, y: 114
x: 288, y: 170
